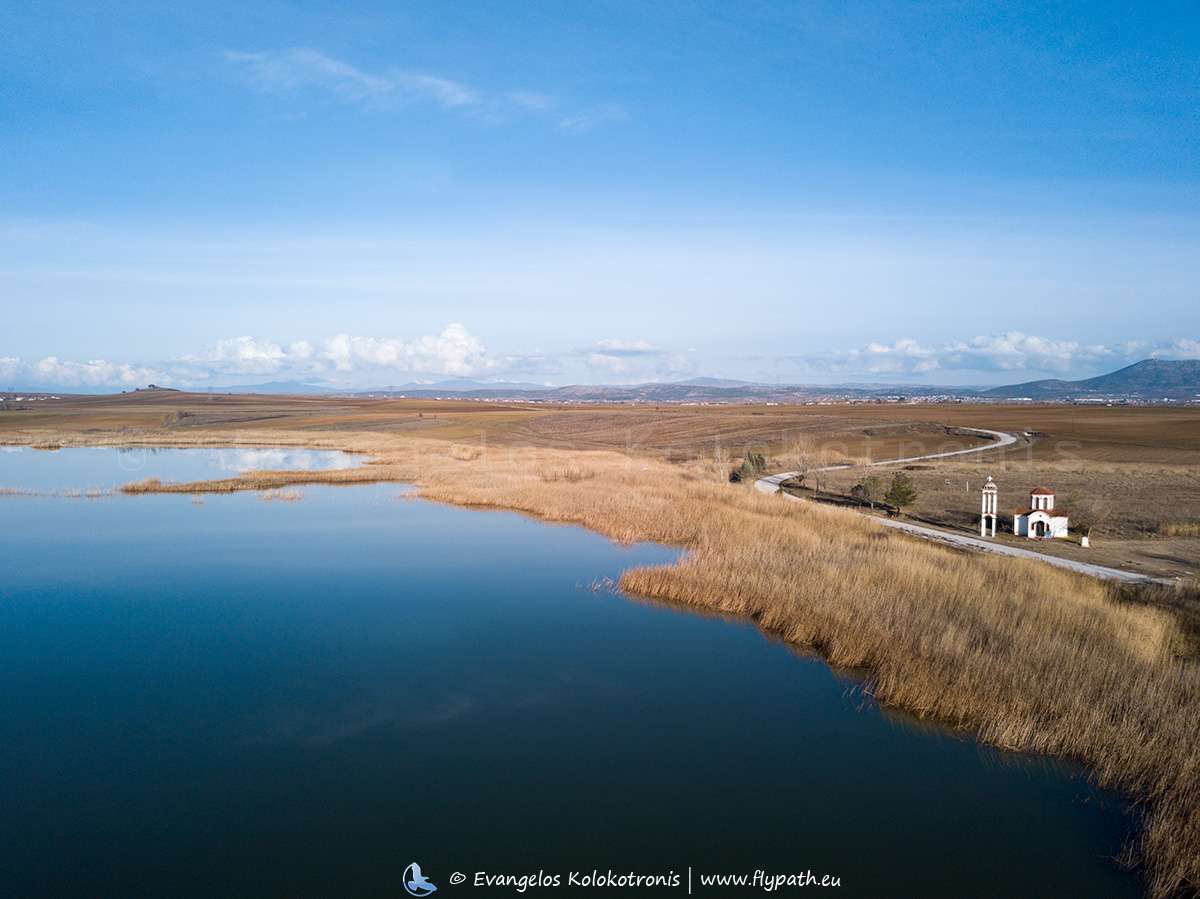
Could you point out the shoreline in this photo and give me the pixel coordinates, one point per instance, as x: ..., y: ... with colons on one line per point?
x: 570, y: 486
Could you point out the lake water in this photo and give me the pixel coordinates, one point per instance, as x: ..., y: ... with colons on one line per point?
x: 264, y: 698
x: 105, y: 469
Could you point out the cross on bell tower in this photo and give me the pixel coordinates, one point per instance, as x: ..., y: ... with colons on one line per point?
x: 987, y: 515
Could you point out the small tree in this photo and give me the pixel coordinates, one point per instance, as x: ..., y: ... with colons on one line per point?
x: 901, y: 492
x: 872, y: 489
x: 798, y: 457
x: 752, y: 465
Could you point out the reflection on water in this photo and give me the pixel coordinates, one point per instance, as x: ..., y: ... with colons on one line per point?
x: 239, y: 460
x: 106, y: 468
x: 249, y: 698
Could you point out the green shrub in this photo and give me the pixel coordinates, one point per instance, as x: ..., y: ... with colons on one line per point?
x: 752, y: 466
x: 900, y: 492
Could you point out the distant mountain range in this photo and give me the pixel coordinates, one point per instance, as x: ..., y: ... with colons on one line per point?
x: 692, y: 390
x: 1150, y: 379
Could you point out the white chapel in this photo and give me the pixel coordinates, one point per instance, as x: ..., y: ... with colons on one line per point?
x: 1041, y: 519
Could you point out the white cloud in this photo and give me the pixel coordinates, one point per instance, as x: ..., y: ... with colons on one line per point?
x: 455, y: 351
x: 245, y: 354
x: 253, y: 356
x: 1012, y: 351
x: 95, y: 373
x: 301, y: 67
x: 300, y: 349
x: 443, y: 90
x: 530, y: 101
x: 618, y: 347
x: 371, y: 361
x: 618, y: 356
x: 903, y: 355
x: 613, y: 364
x: 607, y: 114
x: 636, y: 360
x: 1183, y: 348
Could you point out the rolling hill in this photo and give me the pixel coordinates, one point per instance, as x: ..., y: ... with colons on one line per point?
x: 1150, y: 379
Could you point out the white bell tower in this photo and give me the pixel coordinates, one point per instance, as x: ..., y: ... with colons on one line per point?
x: 987, y: 514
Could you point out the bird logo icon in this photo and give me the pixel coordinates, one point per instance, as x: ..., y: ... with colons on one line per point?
x: 416, y: 883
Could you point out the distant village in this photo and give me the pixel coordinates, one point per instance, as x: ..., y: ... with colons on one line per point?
x: 777, y: 399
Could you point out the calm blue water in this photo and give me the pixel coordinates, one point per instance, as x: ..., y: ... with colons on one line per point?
x: 255, y: 698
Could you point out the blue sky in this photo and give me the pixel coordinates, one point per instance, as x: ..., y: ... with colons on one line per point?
x: 368, y: 194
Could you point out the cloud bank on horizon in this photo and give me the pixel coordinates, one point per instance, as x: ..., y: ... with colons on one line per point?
x: 361, y: 362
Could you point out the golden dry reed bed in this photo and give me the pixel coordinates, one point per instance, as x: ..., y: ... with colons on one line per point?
x: 1028, y: 656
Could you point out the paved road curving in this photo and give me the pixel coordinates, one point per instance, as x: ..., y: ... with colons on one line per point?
x: 771, y: 484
